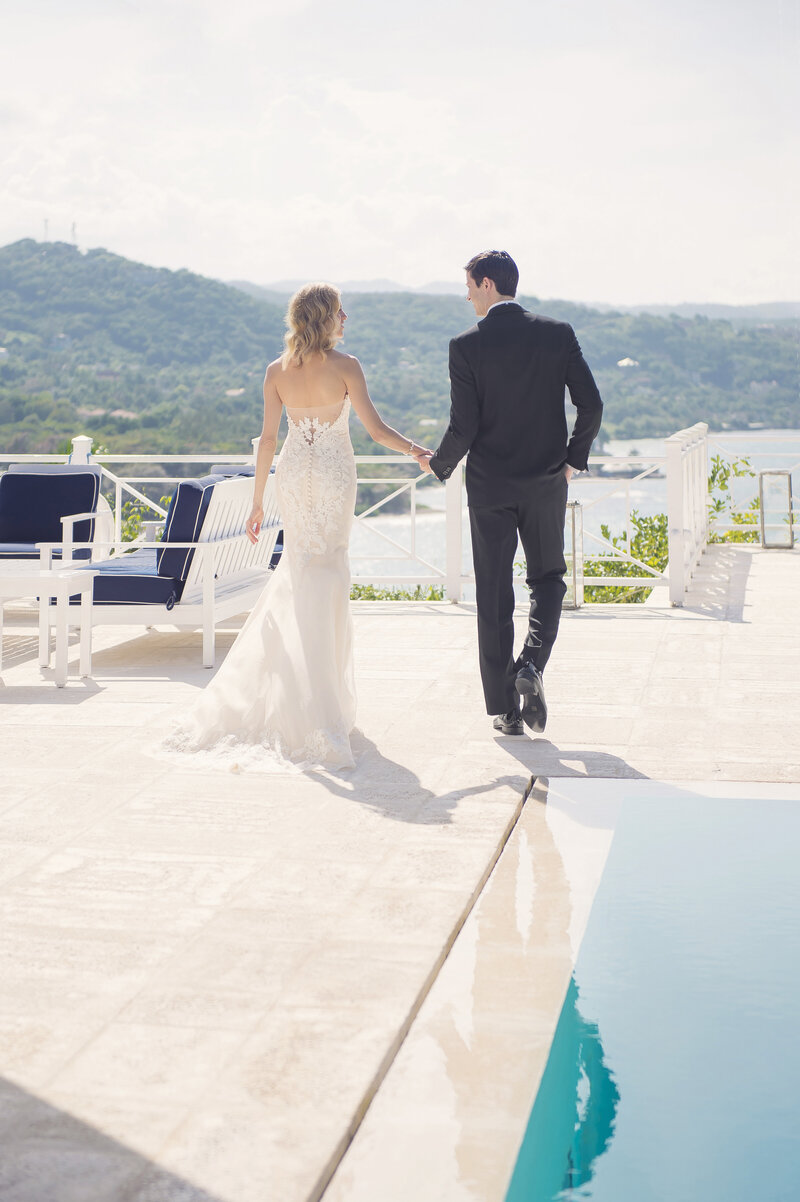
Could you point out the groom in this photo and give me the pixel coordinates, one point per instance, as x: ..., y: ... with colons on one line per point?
x: 508, y: 374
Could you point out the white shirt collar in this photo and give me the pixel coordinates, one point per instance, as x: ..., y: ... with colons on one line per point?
x: 497, y: 305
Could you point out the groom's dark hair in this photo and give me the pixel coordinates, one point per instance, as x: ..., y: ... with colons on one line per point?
x: 499, y: 267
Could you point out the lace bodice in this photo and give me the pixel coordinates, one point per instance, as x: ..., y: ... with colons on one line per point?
x: 314, y: 420
x: 316, y: 479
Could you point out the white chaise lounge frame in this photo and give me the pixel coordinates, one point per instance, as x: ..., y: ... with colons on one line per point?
x: 225, y: 577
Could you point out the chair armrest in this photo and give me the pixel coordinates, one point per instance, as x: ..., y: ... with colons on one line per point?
x: 84, y: 546
x: 46, y: 551
x: 216, y: 542
x: 48, y: 548
x: 69, y: 519
x: 68, y: 530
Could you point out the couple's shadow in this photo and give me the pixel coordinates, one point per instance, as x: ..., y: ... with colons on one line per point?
x: 543, y: 758
x: 396, y: 791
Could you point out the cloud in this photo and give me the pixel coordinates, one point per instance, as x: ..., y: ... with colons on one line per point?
x: 610, y: 152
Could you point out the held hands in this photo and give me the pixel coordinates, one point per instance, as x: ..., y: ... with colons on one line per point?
x: 253, y: 524
x: 423, y: 457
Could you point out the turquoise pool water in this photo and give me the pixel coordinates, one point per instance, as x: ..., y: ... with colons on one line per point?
x: 675, y: 1068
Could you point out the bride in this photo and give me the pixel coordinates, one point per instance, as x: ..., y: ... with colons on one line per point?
x: 286, y: 686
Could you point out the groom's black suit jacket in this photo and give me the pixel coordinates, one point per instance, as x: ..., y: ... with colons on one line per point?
x: 508, y: 374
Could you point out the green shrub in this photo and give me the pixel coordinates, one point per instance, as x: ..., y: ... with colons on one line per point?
x: 720, y: 502
x: 649, y: 544
x: 134, y: 514
x: 368, y: 592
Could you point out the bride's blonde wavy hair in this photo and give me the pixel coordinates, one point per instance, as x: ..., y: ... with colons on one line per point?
x: 311, y: 320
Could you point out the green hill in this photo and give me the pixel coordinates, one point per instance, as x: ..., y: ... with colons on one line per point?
x: 146, y: 359
x: 98, y: 332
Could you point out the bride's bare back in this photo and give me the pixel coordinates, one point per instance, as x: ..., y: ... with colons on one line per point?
x: 319, y: 382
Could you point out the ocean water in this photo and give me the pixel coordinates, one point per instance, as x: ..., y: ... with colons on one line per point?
x: 605, y: 501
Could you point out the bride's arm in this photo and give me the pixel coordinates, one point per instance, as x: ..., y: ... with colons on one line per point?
x: 266, y: 448
x: 373, y: 422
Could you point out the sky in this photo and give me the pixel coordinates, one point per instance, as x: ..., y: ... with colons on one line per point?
x: 623, y: 151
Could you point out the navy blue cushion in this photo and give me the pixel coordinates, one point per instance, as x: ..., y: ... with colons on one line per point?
x: 18, y: 551
x: 34, y: 498
x: 30, y: 551
x: 132, y: 580
x: 183, y: 524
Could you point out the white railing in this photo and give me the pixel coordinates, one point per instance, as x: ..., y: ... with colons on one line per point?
x: 687, y: 505
x: 741, y: 515
x: 400, y: 485
x: 685, y: 464
x: 649, y: 466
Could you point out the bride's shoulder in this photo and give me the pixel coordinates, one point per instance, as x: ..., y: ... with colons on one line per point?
x: 344, y: 362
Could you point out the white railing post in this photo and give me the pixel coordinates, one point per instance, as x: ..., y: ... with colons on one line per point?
x: 702, y: 468
x: 453, y: 535
x: 675, y: 519
x: 255, y: 441
x: 574, y: 526
x: 118, y: 512
x: 687, y: 505
x: 208, y: 604
x: 81, y: 449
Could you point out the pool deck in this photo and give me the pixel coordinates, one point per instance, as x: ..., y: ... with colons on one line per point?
x: 205, y: 977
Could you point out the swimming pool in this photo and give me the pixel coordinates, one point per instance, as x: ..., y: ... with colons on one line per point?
x: 673, y: 1073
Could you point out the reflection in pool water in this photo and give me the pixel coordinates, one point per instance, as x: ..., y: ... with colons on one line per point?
x: 689, y: 969
x: 572, y: 1120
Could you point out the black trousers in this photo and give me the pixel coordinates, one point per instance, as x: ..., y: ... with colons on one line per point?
x: 537, y: 519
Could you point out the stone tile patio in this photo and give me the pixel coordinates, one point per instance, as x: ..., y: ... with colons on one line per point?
x: 205, y: 976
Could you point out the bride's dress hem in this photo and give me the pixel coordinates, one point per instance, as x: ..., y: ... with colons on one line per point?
x: 229, y: 753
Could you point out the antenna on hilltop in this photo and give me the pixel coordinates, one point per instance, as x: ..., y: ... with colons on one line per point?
x: 46, y: 223
x: 74, y: 234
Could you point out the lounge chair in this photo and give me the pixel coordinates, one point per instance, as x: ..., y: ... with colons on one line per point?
x: 59, y: 504
x: 204, y: 568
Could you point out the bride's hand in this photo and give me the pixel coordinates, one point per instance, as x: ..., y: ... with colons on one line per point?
x: 253, y: 524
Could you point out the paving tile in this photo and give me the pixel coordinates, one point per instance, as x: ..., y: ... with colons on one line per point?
x: 157, y: 1066
x: 247, y: 947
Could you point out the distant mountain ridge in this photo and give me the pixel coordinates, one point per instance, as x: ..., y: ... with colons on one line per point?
x: 768, y: 311
x: 147, y: 359
x: 285, y: 288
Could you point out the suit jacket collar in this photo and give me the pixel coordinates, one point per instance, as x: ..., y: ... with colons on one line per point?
x: 506, y: 307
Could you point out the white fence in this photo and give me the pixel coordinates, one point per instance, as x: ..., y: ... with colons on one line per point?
x: 745, y: 510
x: 687, y: 505
x: 684, y: 462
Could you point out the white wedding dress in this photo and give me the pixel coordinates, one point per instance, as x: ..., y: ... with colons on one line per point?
x: 285, y: 691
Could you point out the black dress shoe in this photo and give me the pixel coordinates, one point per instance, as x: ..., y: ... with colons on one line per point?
x: 509, y: 724
x: 531, y: 690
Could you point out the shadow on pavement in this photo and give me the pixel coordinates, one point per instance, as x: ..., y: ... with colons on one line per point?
x: 543, y: 758
x: 50, y: 1156
x: 395, y: 791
